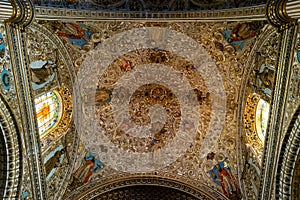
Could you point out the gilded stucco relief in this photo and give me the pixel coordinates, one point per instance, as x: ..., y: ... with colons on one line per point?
x: 259, y: 88
x: 222, y: 50
x: 9, y: 95
x: 107, y: 99
x: 51, y: 71
x: 294, y: 90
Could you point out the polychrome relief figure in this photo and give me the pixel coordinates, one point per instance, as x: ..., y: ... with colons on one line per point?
x: 188, y: 126
x: 155, y: 147
x: 98, y: 97
x: 222, y: 176
x: 2, y: 46
x: 42, y: 73
x: 53, y: 162
x: 88, y: 166
x: 102, y: 96
x: 264, y: 78
x: 77, y: 34
x: 202, y: 96
x: 241, y: 33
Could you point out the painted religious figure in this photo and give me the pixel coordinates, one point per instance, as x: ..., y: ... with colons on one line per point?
x: 77, y: 34
x: 222, y: 176
x: 241, y: 33
x: 264, y: 79
x: 88, y: 166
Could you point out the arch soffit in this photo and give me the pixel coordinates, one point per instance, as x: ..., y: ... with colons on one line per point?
x: 98, y: 188
x: 72, y: 74
x: 289, y: 152
x: 266, y: 38
x: 12, y: 139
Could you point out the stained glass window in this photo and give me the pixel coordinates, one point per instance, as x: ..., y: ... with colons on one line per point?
x: 262, y: 116
x: 48, y: 111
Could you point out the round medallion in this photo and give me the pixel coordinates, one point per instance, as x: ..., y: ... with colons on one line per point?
x: 156, y: 87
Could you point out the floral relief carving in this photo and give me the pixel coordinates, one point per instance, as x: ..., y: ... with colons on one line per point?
x: 80, y: 40
x: 294, y: 91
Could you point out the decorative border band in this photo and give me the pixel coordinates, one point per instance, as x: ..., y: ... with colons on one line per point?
x: 249, y: 13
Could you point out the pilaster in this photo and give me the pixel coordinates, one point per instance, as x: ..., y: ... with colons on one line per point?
x: 278, y: 17
x: 22, y: 14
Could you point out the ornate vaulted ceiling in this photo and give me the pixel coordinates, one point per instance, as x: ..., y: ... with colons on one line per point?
x: 154, y: 99
x: 100, y: 102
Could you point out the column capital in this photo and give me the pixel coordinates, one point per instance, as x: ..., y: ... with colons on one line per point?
x: 278, y: 15
x: 22, y: 13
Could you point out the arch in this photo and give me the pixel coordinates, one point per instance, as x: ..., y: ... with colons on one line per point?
x: 65, y: 92
x: 296, y: 180
x: 192, y: 188
x: 289, y: 152
x: 256, y: 116
x: 269, y: 37
x: 11, y: 153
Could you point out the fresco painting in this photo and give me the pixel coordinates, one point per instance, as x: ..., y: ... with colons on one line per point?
x: 88, y: 166
x: 221, y: 174
x: 77, y: 34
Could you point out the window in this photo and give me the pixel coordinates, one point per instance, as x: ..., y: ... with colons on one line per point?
x: 256, y: 117
x: 48, y: 111
x: 262, y: 116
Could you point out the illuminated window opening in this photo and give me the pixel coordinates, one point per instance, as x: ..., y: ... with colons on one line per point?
x: 48, y: 111
x: 261, y: 119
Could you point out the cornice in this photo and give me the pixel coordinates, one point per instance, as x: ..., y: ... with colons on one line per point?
x: 242, y: 14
